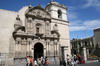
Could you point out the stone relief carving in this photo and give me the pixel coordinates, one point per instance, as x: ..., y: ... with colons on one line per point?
x: 39, y: 13
x: 29, y: 19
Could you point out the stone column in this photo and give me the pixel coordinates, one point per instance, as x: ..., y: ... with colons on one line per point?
x: 44, y: 52
x: 65, y: 52
x: 88, y: 53
x: 27, y: 49
x: 81, y: 43
x: 90, y: 43
x: 32, y: 51
x: 85, y: 54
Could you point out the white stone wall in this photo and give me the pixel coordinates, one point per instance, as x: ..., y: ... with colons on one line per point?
x: 21, y: 14
x: 63, y: 25
x: 7, y: 20
x: 63, y: 29
x: 54, y: 13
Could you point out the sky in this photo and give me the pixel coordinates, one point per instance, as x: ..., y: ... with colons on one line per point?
x: 83, y: 15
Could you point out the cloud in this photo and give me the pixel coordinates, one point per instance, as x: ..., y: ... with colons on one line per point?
x: 92, y: 3
x: 72, y: 8
x: 75, y: 23
x: 85, y: 25
x: 72, y: 15
x: 77, y: 28
x: 92, y: 24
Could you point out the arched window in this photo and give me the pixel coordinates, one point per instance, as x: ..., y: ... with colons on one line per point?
x: 59, y: 14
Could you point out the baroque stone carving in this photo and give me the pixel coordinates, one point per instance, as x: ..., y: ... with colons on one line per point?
x: 39, y: 13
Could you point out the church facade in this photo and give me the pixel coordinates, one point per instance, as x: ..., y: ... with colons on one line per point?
x: 37, y: 32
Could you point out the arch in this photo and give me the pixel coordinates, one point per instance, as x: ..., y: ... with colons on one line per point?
x: 38, y: 24
x: 38, y: 50
x: 59, y: 13
x: 85, y: 43
x: 42, y: 42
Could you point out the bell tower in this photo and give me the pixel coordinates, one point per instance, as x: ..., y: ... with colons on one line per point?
x: 57, y: 11
x: 58, y: 14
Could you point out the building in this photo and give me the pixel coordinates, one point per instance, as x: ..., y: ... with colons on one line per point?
x: 79, y: 44
x: 35, y: 31
x: 91, y: 44
x: 97, y: 41
x: 97, y: 36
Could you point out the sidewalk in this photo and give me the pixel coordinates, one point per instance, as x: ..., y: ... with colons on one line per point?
x: 90, y: 61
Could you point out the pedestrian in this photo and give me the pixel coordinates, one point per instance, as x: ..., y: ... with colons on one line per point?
x: 64, y: 63
x: 43, y: 62
x: 68, y: 60
x: 31, y: 61
x: 75, y: 60
x: 61, y: 63
x: 46, y: 61
x: 79, y: 58
x: 28, y: 61
x: 35, y: 63
x: 39, y: 62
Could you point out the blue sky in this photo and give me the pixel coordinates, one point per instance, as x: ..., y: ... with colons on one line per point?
x: 83, y: 15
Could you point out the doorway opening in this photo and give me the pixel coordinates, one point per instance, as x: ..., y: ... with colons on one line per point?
x: 38, y: 51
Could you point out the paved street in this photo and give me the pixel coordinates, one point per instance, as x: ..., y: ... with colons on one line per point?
x: 90, y: 64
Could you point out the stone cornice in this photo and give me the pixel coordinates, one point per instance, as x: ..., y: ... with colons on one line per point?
x: 34, y: 36
x: 35, y: 17
x: 61, y: 20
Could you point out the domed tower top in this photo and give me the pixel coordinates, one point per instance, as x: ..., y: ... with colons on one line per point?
x: 18, y: 22
x: 57, y: 10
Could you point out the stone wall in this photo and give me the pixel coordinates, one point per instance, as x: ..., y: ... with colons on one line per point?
x: 7, y: 20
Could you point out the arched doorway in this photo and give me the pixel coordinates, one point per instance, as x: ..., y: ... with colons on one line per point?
x: 38, y: 50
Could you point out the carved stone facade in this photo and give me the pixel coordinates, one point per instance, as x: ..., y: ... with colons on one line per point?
x: 36, y: 38
x: 38, y: 32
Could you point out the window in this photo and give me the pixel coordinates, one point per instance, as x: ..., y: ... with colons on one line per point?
x: 37, y: 30
x: 59, y: 14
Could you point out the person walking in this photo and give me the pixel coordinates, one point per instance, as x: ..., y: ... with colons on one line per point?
x: 75, y: 60
x: 46, y: 61
x: 35, y: 63
x: 39, y: 62
x: 68, y: 60
x: 28, y: 61
x: 31, y: 61
x: 43, y: 62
